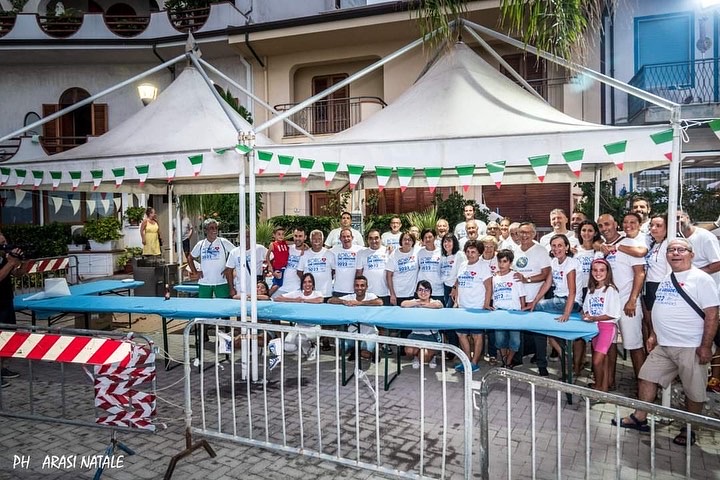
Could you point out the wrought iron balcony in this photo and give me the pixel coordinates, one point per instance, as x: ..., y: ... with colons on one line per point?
x: 688, y: 83
x: 330, y: 116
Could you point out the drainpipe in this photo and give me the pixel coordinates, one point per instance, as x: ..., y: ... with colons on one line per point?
x: 250, y: 84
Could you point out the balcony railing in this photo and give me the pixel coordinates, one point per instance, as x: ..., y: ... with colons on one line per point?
x: 127, y: 25
x: 53, y: 145
x: 330, y: 116
x: 688, y: 83
x: 9, y: 148
x: 6, y: 23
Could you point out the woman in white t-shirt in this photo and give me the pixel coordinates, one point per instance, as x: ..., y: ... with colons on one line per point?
x: 450, y: 254
x: 587, y: 233
x: 489, y: 255
x: 401, y: 270
x: 429, y: 263
x: 307, y: 294
x: 656, y: 260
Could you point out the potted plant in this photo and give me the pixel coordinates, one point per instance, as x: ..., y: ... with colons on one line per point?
x: 135, y: 215
x: 124, y: 262
x: 102, y: 232
x: 79, y: 241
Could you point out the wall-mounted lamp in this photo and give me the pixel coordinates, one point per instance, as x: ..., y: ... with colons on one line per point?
x: 148, y: 93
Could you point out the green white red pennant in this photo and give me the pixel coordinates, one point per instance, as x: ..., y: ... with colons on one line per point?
x: 97, y: 176
x: 242, y: 149
x: 465, y: 172
x: 284, y: 161
x: 20, y: 174
x: 119, y: 174
x: 616, y: 152
x: 574, y: 160
x: 330, y: 169
x: 56, y: 178
x: 539, y: 165
x: 354, y: 174
x: 170, y: 169
x: 663, y: 141
x: 432, y: 177
x: 306, y: 165
x: 383, y: 175
x: 142, y: 171
x: 75, y: 178
x: 715, y: 127
x: 405, y: 175
x: 496, y: 171
x: 196, y: 161
x: 37, y: 178
x: 4, y: 175
x: 219, y: 151
x: 263, y: 162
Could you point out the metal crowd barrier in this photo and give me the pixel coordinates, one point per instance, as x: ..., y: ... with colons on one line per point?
x: 41, y: 268
x: 509, y: 420
x: 301, y: 406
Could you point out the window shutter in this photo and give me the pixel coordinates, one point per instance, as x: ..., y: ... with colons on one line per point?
x: 51, y: 130
x: 99, y: 119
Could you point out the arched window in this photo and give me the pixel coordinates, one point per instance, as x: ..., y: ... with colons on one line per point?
x: 73, y: 128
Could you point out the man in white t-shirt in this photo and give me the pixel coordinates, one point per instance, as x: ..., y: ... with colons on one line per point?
x: 320, y: 262
x: 333, y: 237
x: 441, y: 227
x: 212, y: 252
x: 371, y: 265
x: 680, y: 340
x: 346, y: 264
x: 359, y: 298
x: 471, y: 233
x: 559, y: 222
x: 392, y: 238
x: 629, y: 276
x: 469, y: 213
x: 706, y: 249
x: 291, y: 279
x: 532, y: 268
x: 238, y: 263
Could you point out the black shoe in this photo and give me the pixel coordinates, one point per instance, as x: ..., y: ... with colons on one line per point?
x: 387, y: 350
x: 7, y: 373
x: 533, y: 359
x: 5, y: 384
x: 351, y: 356
x: 325, y: 347
x: 543, y: 372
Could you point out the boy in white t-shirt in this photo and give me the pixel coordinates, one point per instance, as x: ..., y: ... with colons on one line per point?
x: 508, y: 294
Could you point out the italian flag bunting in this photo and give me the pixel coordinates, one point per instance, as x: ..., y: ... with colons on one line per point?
x: 75, y: 178
x: 97, y: 176
x: 496, y: 171
x: 383, y: 175
x: 306, y: 166
x: 663, y: 141
x: 219, y: 151
x: 119, y: 174
x: 4, y: 175
x: 539, y: 165
x: 20, y: 176
x: 354, y: 174
x: 196, y: 162
x: 56, y: 178
x: 37, y: 178
x: 330, y: 169
x: 465, y: 172
x: 405, y: 174
x: 432, y: 176
x: 616, y: 152
x: 242, y: 149
x: 574, y: 159
x: 170, y: 168
x: 264, y: 159
x: 285, y: 161
x: 142, y: 171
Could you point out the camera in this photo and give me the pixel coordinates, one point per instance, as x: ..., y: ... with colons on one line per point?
x: 7, y: 248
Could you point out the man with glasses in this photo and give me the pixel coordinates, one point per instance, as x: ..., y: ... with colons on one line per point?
x: 532, y: 268
x: 471, y: 233
x: 333, y: 237
x: 680, y: 340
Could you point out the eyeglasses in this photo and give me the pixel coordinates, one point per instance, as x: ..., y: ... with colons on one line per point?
x: 423, y: 290
x: 678, y: 250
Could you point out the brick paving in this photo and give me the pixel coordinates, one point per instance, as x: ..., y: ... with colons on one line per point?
x: 399, y: 427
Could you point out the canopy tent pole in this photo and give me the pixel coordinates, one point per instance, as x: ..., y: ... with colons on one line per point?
x: 598, y: 180
x: 674, y: 180
x: 171, y: 255
x: 91, y: 98
x: 254, y: 97
x: 178, y: 239
x: 253, y: 253
x: 251, y: 268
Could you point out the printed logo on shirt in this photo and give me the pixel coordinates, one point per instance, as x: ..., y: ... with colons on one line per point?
x: 429, y: 264
x: 406, y: 264
x: 466, y: 279
x: 522, y: 262
x: 666, y: 294
x: 293, y: 261
x: 317, y: 265
x: 211, y: 253
x: 375, y: 262
x: 596, y: 305
x: 346, y: 260
x: 502, y: 291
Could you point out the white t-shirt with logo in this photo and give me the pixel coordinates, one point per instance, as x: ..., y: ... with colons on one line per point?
x: 656, y: 260
x: 676, y: 323
x: 507, y: 292
x: 333, y: 238
x: 492, y: 263
x: 545, y: 239
x: 461, y: 232
x: 321, y: 264
x: 707, y: 250
x: 364, y: 329
x: 429, y: 269
x: 560, y: 273
x: 584, y: 258
x: 390, y: 239
x: 373, y: 263
x: 471, y: 284
x: 604, y: 301
x: 447, y: 268
x: 622, y: 267
x: 405, y: 270
x: 346, y: 265
x: 531, y: 262
x: 291, y: 280
x: 212, y: 258
x: 240, y: 261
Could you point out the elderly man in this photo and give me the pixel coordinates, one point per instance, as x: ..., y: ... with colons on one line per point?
x: 532, y: 268
x: 706, y: 250
x: 333, y: 237
x: 629, y: 275
x: 441, y: 227
x: 391, y: 238
x: 559, y: 222
x: 469, y: 214
x: 684, y: 322
x: 472, y: 233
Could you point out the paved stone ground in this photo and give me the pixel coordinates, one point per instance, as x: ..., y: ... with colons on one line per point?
x: 399, y: 440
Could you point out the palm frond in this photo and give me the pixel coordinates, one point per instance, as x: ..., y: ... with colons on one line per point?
x: 424, y: 219
x: 436, y: 16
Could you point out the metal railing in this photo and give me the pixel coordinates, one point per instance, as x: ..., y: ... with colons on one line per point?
x: 10, y: 147
x: 6, y: 24
x: 313, y: 408
x: 578, y: 429
x: 688, y: 83
x: 127, y: 25
x: 189, y: 20
x: 328, y: 116
x: 54, y: 145
x: 60, y: 26
x: 65, y: 267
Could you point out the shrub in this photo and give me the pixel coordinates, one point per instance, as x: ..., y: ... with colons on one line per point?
x: 310, y: 223
x: 39, y: 241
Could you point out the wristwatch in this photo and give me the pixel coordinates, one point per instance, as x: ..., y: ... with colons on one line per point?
x: 527, y: 280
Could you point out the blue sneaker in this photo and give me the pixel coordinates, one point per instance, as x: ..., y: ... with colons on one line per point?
x: 475, y: 367
x: 459, y: 368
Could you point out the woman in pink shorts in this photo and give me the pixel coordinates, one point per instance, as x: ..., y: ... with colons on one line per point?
x: 602, y: 305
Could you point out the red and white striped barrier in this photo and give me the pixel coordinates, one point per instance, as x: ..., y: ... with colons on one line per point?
x: 64, y: 348
x: 47, y: 265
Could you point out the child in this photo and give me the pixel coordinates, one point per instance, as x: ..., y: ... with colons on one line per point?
x: 508, y: 294
x: 277, y: 258
x: 602, y: 305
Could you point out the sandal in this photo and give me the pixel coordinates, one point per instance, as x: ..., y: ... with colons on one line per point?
x: 681, y: 438
x: 640, y: 426
x: 493, y: 361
